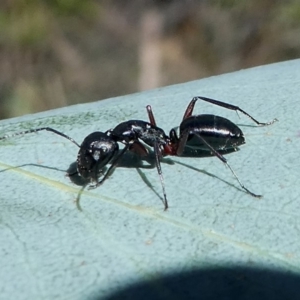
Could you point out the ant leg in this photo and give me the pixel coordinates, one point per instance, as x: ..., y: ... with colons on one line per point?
x: 190, y: 109
x: 151, y: 115
x: 40, y: 129
x: 159, y: 171
x: 218, y: 155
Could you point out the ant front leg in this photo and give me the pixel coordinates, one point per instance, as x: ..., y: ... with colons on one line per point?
x: 191, y: 105
x: 181, y: 145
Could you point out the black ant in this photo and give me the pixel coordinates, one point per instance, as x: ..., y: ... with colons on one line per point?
x: 214, y: 134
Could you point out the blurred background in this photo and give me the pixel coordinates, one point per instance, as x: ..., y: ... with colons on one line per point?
x: 55, y: 53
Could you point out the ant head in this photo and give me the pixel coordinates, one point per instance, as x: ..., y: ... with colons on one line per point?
x: 94, y: 154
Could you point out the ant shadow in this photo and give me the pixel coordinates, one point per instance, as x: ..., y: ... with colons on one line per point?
x: 192, y: 152
x: 128, y: 160
x: 133, y: 160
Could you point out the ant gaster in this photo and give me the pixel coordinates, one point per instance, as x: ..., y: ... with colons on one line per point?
x: 213, y: 133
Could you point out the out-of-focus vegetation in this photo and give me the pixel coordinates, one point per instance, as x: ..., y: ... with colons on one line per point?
x: 59, y: 52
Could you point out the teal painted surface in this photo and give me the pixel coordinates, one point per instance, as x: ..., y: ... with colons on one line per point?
x: 51, y: 250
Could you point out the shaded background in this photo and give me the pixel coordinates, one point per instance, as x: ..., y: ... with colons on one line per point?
x: 55, y: 53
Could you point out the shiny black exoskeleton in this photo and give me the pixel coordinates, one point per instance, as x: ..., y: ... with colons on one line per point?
x: 95, y: 152
x: 212, y: 133
x: 99, y: 148
x: 218, y: 132
x: 131, y: 133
